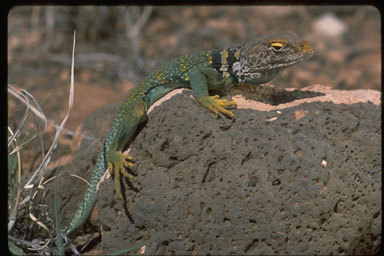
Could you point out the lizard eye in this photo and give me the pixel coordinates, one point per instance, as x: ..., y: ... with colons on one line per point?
x: 277, y: 47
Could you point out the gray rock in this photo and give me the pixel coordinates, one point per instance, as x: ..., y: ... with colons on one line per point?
x: 266, y: 183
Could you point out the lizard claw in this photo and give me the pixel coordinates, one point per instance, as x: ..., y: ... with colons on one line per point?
x: 217, y: 106
x: 118, y: 162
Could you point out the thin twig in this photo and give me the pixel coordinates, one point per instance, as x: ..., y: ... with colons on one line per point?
x: 47, y: 157
x: 81, y: 178
x: 12, y: 218
x: 18, y: 147
x: 86, y: 57
x: 133, y: 32
x: 50, y: 24
x: 16, y: 94
x: 37, y: 106
x: 30, y: 96
x: 39, y: 111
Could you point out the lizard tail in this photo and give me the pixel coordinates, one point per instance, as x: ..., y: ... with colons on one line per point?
x: 86, y: 205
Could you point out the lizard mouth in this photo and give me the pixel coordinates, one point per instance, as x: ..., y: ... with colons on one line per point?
x: 307, y: 54
x: 291, y: 62
x: 266, y: 73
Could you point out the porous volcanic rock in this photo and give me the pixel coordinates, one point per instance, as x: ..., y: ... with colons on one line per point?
x: 302, y: 176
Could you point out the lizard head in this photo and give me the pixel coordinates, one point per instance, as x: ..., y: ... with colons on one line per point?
x: 265, y: 57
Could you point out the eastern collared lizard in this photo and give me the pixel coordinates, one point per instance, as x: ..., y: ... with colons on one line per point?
x: 251, y: 64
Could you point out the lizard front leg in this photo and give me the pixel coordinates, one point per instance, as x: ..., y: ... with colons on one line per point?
x: 199, y: 78
x: 131, y: 114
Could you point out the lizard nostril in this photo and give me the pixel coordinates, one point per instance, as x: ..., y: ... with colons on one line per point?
x: 306, y: 47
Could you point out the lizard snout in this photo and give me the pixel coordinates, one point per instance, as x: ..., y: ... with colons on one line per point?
x: 306, y: 48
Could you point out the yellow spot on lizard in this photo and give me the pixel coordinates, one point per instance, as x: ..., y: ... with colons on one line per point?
x: 224, y: 56
x: 277, y: 44
x: 237, y: 54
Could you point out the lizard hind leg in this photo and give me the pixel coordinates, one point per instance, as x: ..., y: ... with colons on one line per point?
x: 133, y: 113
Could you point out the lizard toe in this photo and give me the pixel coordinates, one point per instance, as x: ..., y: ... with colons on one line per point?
x: 116, y: 180
x: 214, y: 104
x: 118, y: 163
x: 227, y: 103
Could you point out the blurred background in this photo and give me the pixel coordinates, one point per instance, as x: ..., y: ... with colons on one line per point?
x: 117, y: 46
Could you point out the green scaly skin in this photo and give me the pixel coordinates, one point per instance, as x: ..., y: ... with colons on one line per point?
x: 251, y: 64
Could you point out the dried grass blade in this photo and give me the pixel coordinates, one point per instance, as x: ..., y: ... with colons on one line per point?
x: 60, y: 128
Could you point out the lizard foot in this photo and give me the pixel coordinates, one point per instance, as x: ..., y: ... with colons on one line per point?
x: 214, y: 104
x: 118, y: 162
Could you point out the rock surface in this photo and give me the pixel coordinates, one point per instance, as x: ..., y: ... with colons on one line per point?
x: 297, y: 175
